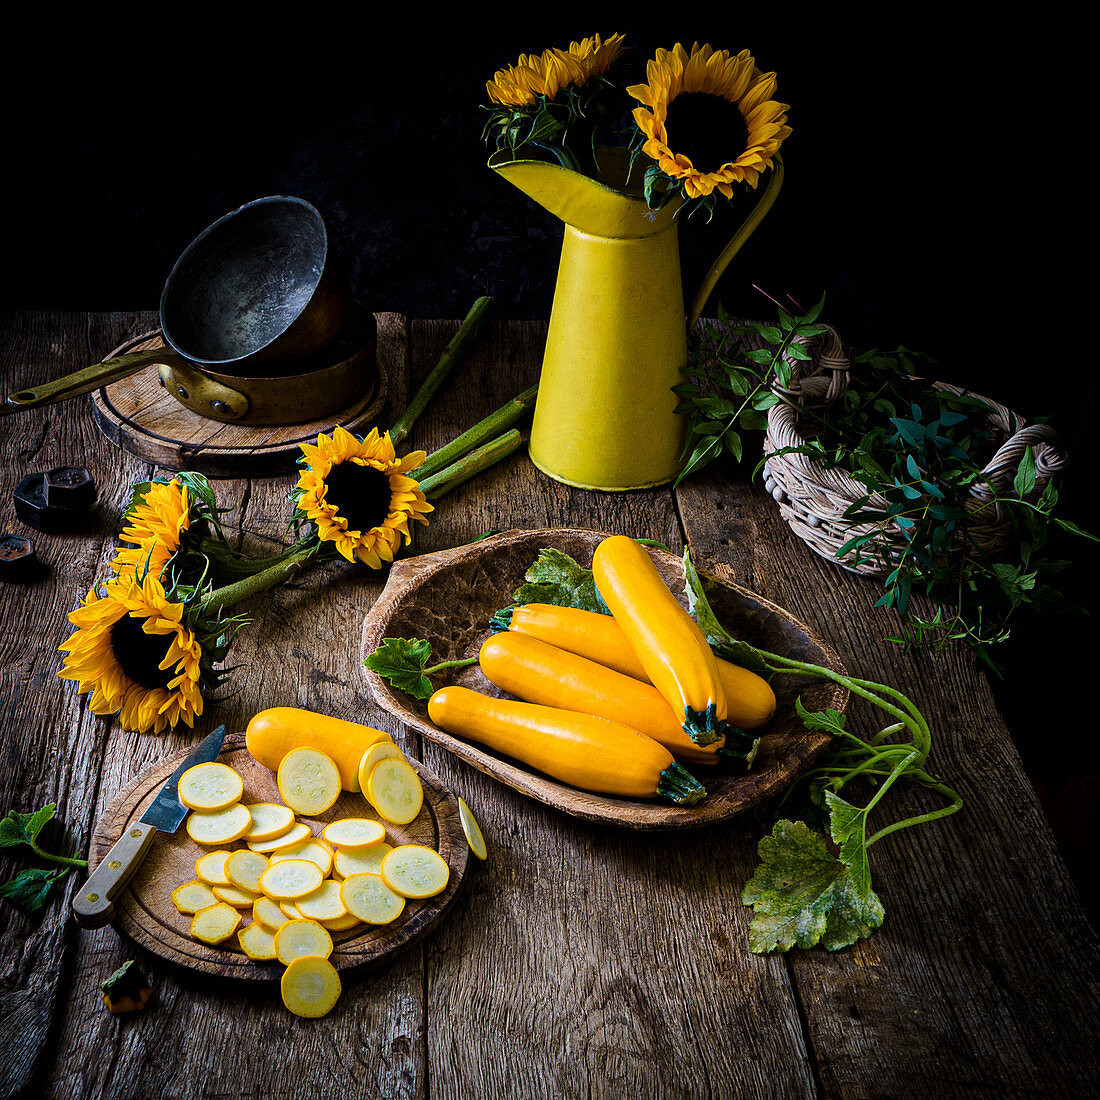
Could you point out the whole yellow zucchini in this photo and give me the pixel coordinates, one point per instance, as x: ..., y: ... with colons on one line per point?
x: 537, y: 672
x: 272, y: 733
x: 750, y: 701
x: 582, y: 750
x: 672, y: 649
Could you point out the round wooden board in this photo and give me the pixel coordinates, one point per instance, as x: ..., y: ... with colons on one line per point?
x: 146, y: 913
x: 138, y: 415
x: 448, y: 599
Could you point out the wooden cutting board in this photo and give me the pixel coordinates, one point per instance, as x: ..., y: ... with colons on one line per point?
x: 138, y: 415
x: 146, y: 913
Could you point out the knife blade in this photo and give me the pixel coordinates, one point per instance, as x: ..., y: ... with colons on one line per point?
x: 94, y: 903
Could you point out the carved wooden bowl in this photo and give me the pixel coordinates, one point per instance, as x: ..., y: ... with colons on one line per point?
x: 448, y: 598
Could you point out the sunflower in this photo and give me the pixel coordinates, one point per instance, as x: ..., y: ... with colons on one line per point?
x: 155, y: 526
x: 358, y: 496
x: 135, y: 653
x: 546, y: 74
x: 708, y: 118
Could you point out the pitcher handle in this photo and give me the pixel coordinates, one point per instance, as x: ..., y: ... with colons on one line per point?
x: 748, y: 226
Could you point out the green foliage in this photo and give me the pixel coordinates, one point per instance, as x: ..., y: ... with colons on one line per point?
x: 31, y: 887
x: 804, y: 893
x: 557, y: 579
x: 803, y: 896
x: 403, y: 663
x: 728, y: 390
x: 918, y: 451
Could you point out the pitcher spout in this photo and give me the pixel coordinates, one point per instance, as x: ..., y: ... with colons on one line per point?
x: 611, y: 206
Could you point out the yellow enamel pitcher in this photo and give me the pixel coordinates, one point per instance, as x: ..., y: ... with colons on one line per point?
x: 617, y: 343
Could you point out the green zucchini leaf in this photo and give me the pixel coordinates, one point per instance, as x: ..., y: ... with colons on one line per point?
x: 556, y: 578
x: 803, y: 896
x: 401, y: 661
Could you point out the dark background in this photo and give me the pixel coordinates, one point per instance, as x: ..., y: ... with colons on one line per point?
x: 929, y: 196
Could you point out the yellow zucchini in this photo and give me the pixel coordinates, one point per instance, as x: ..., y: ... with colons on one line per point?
x: 672, y: 649
x: 310, y: 986
x: 272, y: 733
x: 538, y: 672
x: 750, y: 701
x: 594, y: 754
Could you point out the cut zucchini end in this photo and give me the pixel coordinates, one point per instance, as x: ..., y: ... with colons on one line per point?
x: 704, y: 727
x: 739, y: 750
x: 678, y: 785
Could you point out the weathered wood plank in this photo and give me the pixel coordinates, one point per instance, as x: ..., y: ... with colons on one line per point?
x: 984, y: 979
x: 589, y: 961
x: 52, y: 746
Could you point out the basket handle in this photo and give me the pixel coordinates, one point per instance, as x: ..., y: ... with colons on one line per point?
x: 1050, y: 458
x: 829, y: 365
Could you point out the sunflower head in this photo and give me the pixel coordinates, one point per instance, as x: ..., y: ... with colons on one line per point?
x: 357, y: 494
x: 708, y: 121
x: 155, y: 526
x: 141, y: 654
x: 546, y: 74
x: 542, y: 97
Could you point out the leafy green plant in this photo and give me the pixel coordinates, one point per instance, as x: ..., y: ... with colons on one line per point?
x: 918, y: 450
x: 31, y: 887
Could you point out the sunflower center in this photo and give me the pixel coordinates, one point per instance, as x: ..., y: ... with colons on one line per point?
x: 706, y: 128
x: 139, y: 654
x: 360, y: 494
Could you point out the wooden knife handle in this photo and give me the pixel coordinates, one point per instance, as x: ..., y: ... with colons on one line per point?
x: 94, y: 903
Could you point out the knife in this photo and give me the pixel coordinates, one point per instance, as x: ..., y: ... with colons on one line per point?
x: 94, y: 904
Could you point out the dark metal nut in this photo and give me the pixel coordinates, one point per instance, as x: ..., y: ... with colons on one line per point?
x: 18, y: 560
x: 32, y: 509
x: 69, y: 487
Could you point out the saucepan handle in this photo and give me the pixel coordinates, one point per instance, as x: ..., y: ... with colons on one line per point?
x: 748, y: 226
x: 86, y: 380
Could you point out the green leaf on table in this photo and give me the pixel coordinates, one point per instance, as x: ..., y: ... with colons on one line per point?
x: 848, y: 828
x: 402, y: 661
x: 19, y: 828
x: 803, y: 896
x: 556, y: 578
x: 31, y: 887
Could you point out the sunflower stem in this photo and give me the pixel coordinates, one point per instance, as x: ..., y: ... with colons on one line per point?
x: 482, y: 432
x: 469, y: 466
x: 283, y: 570
x: 451, y: 354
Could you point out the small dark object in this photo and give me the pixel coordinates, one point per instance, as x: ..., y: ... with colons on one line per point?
x: 32, y: 509
x: 69, y: 487
x: 18, y: 560
x: 126, y: 990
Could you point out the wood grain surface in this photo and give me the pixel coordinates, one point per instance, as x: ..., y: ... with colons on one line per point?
x: 146, y: 913
x: 447, y: 598
x: 581, y: 960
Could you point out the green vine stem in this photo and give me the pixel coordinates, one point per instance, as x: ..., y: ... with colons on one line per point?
x: 469, y: 329
x: 482, y: 432
x: 450, y: 477
x: 285, y: 568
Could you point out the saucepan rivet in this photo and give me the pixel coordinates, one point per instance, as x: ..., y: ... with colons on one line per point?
x: 220, y: 407
x: 183, y: 393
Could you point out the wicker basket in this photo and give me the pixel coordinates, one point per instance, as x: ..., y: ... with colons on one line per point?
x: 813, y: 499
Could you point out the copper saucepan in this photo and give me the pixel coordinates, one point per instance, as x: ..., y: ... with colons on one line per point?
x: 255, y: 295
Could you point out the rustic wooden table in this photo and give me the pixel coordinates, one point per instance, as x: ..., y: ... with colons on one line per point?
x: 580, y: 960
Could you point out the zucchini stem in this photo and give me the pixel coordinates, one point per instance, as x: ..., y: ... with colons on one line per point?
x: 678, y: 785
